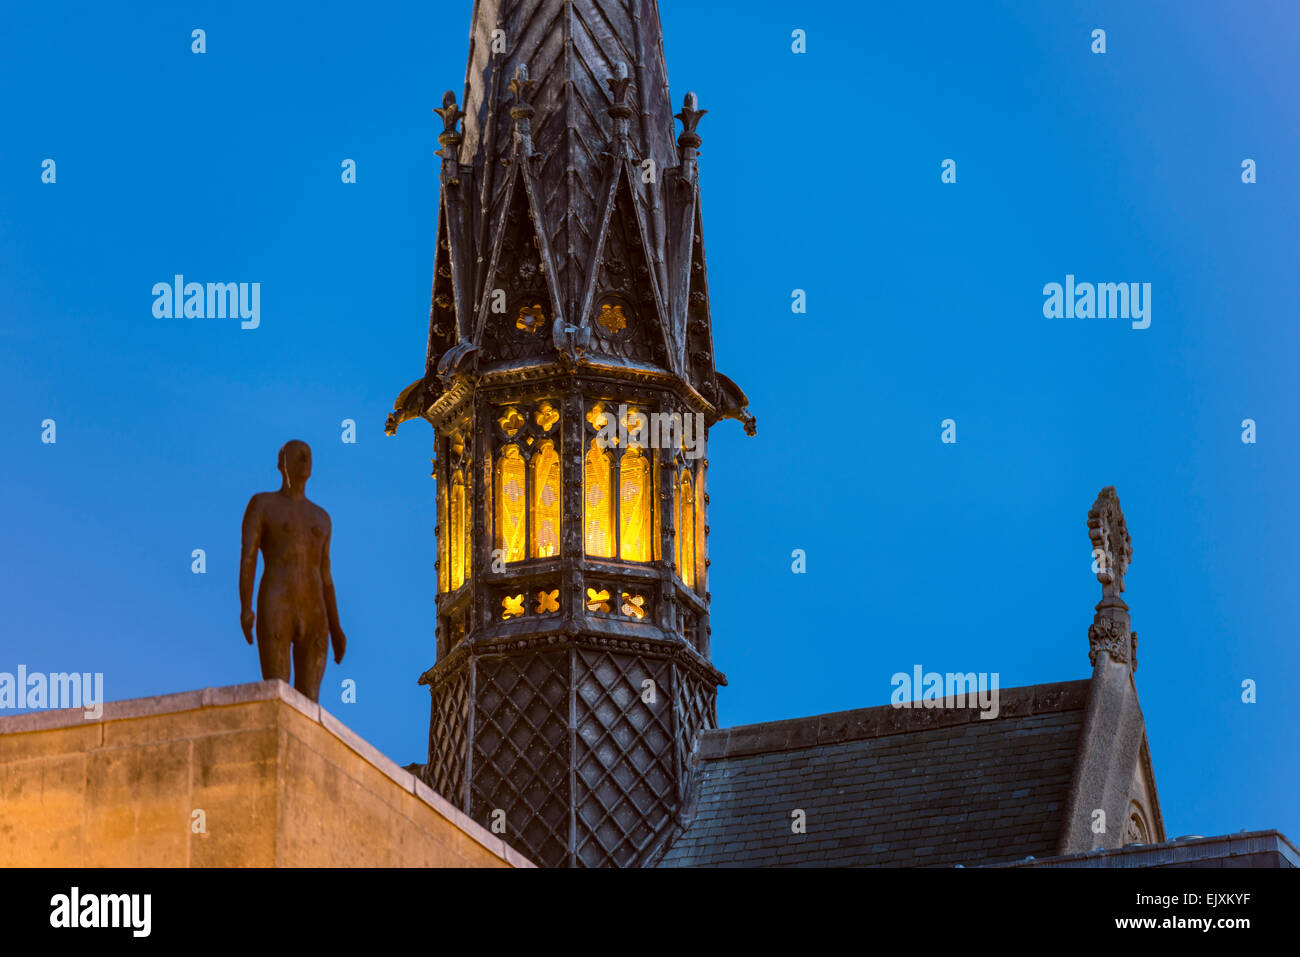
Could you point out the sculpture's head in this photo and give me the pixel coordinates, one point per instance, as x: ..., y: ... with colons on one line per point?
x: 295, y: 463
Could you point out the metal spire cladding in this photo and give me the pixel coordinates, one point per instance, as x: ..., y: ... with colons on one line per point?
x: 569, y: 227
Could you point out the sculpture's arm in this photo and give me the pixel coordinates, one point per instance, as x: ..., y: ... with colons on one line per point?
x: 337, y: 638
x: 250, y: 541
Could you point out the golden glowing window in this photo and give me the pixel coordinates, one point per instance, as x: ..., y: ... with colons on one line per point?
x: 489, y: 509
x: 620, y: 513
x: 633, y: 606
x: 511, y: 503
x: 457, y: 544
x: 598, y: 600
x: 635, y: 425
x: 466, y: 539
x: 701, y: 537
x: 612, y: 317
x: 511, y: 422
x: 634, y: 506
x: 546, y: 501
x: 684, y: 515
x: 531, y: 318
x: 512, y: 606
x: 546, y: 416
x: 445, y: 520
x: 598, y: 504
x: 597, y: 417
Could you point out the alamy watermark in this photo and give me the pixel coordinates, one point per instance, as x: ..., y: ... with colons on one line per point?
x: 1103, y: 300
x: 179, y: 299
x: 950, y: 690
x: 130, y: 911
x: 60, y: 689
x: 677, y: 431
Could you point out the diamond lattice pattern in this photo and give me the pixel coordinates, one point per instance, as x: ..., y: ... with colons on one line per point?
x: 448, y: 736
x: 521, y: 752
x: 697, y: 703
x: 625, y: 776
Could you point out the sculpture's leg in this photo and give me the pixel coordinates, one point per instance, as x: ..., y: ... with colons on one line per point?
x: 309, y: 654
x: 273, y: 650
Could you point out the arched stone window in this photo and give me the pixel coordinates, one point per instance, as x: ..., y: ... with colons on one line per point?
x: 598, y: 503
x: 511, y: 510
x: 635, y: 506
x: 526, y: 505
x: 545, y: 532
x: 444, y: 570
x: 684, y: 515
x: 458, y: 537
x: 619, y: 504
x: 701, y: 537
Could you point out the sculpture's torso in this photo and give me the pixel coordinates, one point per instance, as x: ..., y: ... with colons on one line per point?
x: 291, y: 598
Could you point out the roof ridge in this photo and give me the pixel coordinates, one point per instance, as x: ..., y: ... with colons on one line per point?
x: 880, y: 720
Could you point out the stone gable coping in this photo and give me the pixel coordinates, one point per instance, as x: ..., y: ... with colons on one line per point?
x: 1183, y: 851
x: 880, y: 721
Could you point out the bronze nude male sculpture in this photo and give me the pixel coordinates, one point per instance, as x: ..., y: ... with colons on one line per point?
x: 296, y: 612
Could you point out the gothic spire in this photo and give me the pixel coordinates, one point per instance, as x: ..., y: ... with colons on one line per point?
x: 567, y: 193
x: 572, y: 48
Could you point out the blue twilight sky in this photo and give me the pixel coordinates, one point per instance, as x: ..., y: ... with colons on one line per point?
x: 821, y: 172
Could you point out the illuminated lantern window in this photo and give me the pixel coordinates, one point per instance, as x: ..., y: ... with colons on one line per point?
x: 546, y: 416
x: 597, y: 418
x: 634, y: 506
x: 511, y: 503
x: 701, y: 539
x: 489, y: 512
x: 546, y: 501
x: 456, y: 544
x: 598, y: 600
x: 466, y: 540
x: 511, y: 422
x: 445, y: 518
x: 612, y: 317
x: 598, y: 504
x: 531, y: 318
x: 633, y: 606
x: 636, y: 425
x: 684, y: 513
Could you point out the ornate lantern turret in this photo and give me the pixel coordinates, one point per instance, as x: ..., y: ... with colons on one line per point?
x: 570, y: 383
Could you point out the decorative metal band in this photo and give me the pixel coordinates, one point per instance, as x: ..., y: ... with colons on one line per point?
x: 683, y: 655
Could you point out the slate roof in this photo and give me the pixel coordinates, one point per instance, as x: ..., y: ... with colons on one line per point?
x: 886, y: 786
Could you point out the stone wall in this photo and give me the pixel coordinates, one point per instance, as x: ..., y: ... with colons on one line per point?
x: 279, y: 782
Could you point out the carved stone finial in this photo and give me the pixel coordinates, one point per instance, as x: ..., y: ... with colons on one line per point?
x: 1111, y: 546
x: 1112, y: 551
x: 690, y: 117
x: 451, y: 116
x: 522, y: 89
x: 618, y: 87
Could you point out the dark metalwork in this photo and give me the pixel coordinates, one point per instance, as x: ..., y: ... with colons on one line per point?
x: 570, y: 270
